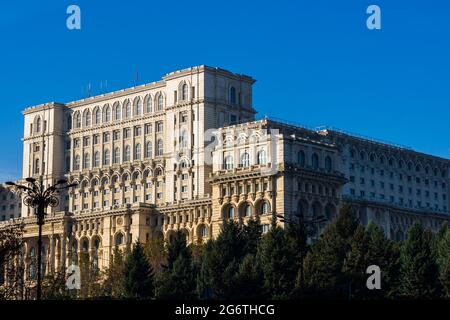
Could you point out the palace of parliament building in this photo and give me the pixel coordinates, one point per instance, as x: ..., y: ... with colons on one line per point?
x: 187, y: 152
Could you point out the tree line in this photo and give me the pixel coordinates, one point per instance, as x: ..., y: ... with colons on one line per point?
x: 242, y: 262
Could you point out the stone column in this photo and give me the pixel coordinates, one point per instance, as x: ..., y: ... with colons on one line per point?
x: 51, y: 260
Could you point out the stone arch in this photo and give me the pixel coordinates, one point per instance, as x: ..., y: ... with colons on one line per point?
x: 316, y: 209
x: 119, y: 238
x: 203, y: 231
x: 262, y: 206
x: 245, y: 209
x: 302, y: 208
x: 330, y: 211
x: 147, y: 173
x: 229, y: 211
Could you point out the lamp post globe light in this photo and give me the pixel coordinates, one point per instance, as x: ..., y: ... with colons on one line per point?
x: 302, y: 228
x: 39, y: 198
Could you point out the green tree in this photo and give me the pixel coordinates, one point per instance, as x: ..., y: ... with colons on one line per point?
x: 249, y: 279
x: 177, y: 281
x: 112, y: 285
x: 355, y: 264
x: 156, y: 254
x: 419, y: 271
x: 371, y: 247
x: 138, y: 282
x: 252, y: 235
x: 443, y: 259
x: 384, y: 253
x: 324, y: 263
x: 11, y: 244
x: 54, y: 287
x: 90, y: 278
x: 220, y: 263
x: 277, y: 258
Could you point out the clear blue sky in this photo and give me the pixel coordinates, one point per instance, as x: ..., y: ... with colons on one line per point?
x: 315, y: 61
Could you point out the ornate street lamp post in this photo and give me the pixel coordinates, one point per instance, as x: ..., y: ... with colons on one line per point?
x: 302, y: 229
x: 39, y: 198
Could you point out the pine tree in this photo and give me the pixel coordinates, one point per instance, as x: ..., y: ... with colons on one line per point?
x: 221, y: 259
x: 156, y: 254
x: 277, y: 258
x: 177, y: 281
x: 384, y: 253
x: 355, y: 264
x: 443, y: 259
x: 419, y: 271
x: 249, y: 279
x: 138, y: 282
x: 324, y: 263
x: 112, y: 285
x: 252, y: 233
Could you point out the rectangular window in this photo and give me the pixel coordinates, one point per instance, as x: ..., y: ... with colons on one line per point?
x: 148, y: 128
x: 137, y: 131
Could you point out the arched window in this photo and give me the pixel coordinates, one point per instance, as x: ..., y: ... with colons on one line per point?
x: 116, y: 157
x: 117, y: 112
x: 76, y: 163
x: 159, y: 148
x: 38, y: 124
x: 184, y: 92
x: 315, y: 161
x: 85, y: 246
x: 245, y: 160
x: 96, y: 159
x: 203, y: 232
x: 137, y: 152
x: 36, y: 166
x: 107, y: 114
x: 301, y: 158
x: 262, y: 159
x: 231, y: 214
x: 77, y: 120
x: 95, y: 256
x: 138, y: 107
x: 69, y: 122
x: 248, y: 210
x: 119, y: 239
x: 352, y: 153
x: 149, y: 105
x: 228, y: 163
x: 87, y: 118
x: 160, y: 102
x: 126, y: 155
x: 233, y: 95
x: 328, y: 163
x: 106, y: 157
x: 127, y: 110
x: 183, y: 139
x: 148, y: 149
x: 264, y: 208
x: 86, y: 161
x: 98, y: 116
